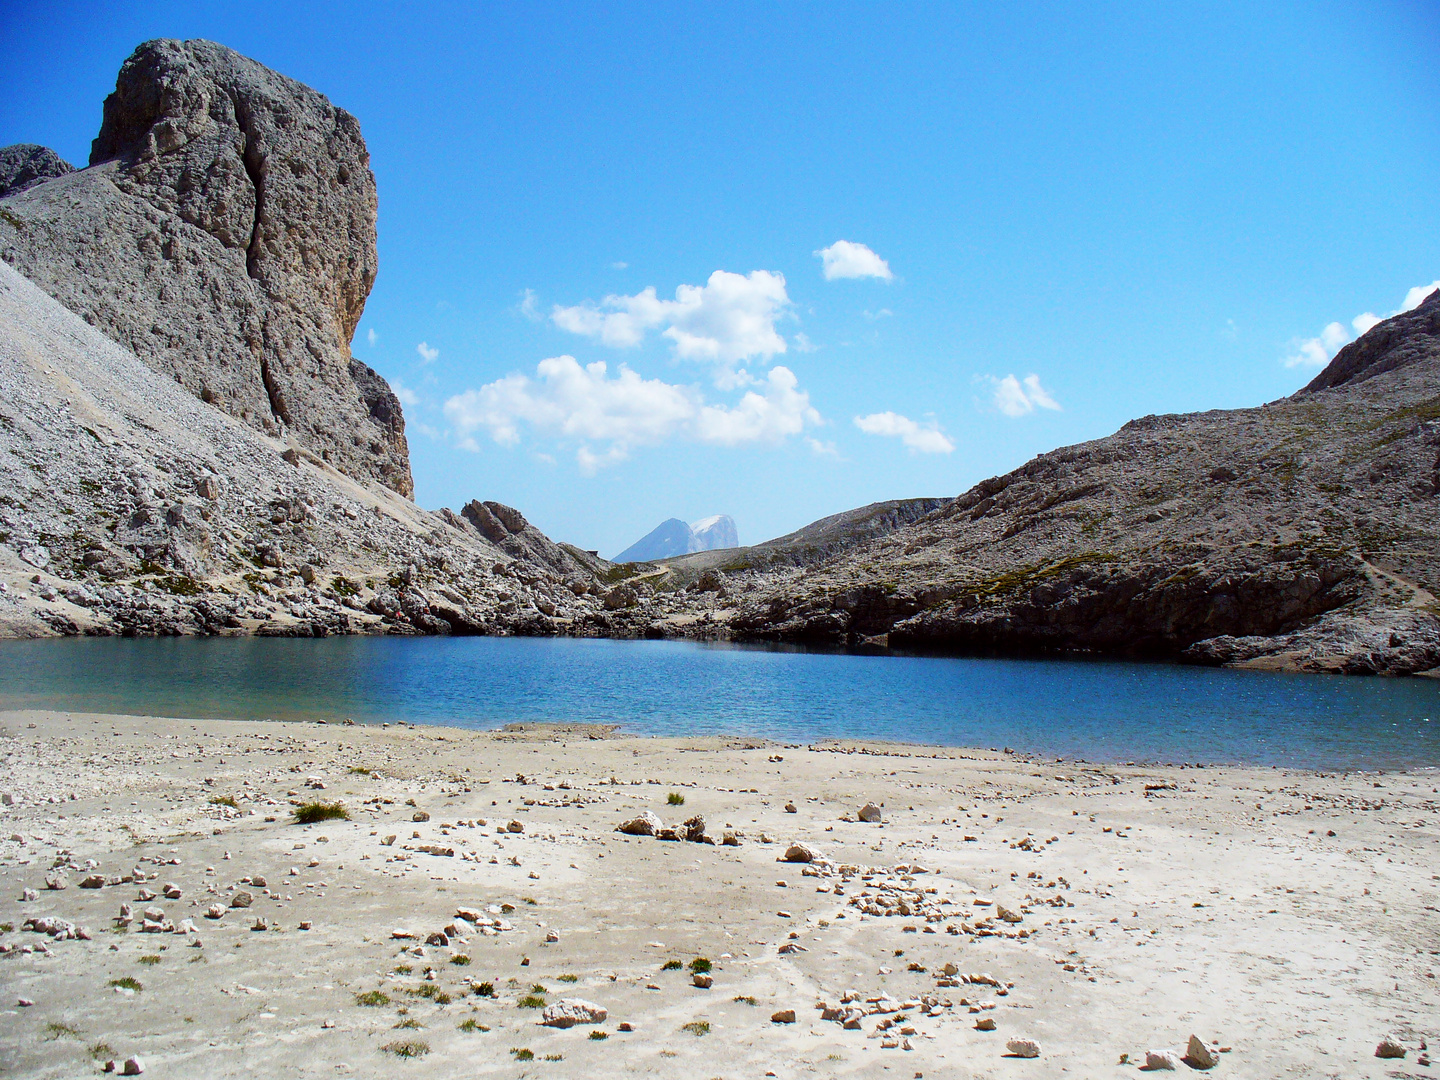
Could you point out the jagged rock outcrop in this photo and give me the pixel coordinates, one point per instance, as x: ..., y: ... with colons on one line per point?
x: 26, y: 164
x: 225, y: 233
x: 1303, y: 534
x: 507, y: 529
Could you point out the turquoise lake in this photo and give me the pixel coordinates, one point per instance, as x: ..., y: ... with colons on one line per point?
x: 1092, y: 709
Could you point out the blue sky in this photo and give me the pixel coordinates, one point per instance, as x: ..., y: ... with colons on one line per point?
x: 827, y: 253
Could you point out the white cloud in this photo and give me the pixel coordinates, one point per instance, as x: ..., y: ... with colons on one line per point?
x: 619, y: 266
x: 1414, y: 297
x: 427, y: 354
x: 1020, y: 397
x: 782, y: 410
x: 844, y: 259
x: 728, y: 319
x: 590, y: 462
x: 922, y: 439
x: 623, y: 411
x: 529, y: 306
x: 822, y: 449
x: 876, y: 316
x: 371, y: 336
x: 1319, y: 351
x: 407, y: 397
x: 804, y: 344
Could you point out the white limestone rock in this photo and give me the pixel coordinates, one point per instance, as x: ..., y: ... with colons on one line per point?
x: 567, y: 1012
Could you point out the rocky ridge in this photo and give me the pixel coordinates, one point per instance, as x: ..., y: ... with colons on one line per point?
x: 1301, y: 534
x: 225, y: 233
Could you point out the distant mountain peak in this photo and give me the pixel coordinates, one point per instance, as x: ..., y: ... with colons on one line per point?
x: 673, y: 537
x: 715, y: 532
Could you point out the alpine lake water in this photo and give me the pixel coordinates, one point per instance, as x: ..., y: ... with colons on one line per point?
x: 1096, y: 710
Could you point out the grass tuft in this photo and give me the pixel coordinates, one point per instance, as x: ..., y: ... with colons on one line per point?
x: 127, y: 983
x: 699, y: 965
x: 485, y: 989
x: 409, y: 1022
x: 597, y: 1036
x: 697, y: 1027
x: 410, y: 1048
x: 460, y: 960
x: 567, y: 978
x: 522, y: 1054
x: 225, y: 800
x: 60, y: 1031
x: 671, y: 965
x: 745, y: 999
x: 101, y: 1050
x: 152, y: 959
x: 531, y: 1001
x: 473, y: 1025
x: 312, y: 812
x: 675, y: 799
x: 372, y: 998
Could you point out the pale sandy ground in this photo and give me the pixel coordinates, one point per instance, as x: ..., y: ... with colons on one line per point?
x: 1221, y: 907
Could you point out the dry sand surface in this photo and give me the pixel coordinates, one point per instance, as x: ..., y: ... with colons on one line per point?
x: 1286, y: 918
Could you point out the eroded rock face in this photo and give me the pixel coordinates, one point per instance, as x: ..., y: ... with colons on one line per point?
x: 225, y: 232
x: 26, y: 164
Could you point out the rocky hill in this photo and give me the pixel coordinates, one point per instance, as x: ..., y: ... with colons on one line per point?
x: 26, y: 164
x: 816, y: 542
x: 225, y: 233
x: 1302, y: 534
x: 129, y: 506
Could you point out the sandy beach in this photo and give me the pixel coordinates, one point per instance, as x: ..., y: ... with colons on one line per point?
x: 1286, y: 919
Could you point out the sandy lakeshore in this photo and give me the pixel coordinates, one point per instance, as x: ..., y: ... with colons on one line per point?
x: 1287, y: 919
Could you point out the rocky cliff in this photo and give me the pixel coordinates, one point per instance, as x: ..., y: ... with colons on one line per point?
x: 225, y: 233
x: 1301, y: 534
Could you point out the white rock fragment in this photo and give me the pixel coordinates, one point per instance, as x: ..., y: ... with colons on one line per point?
x: 1025, y: 1048
x: 1159, y: 1060
x: 567, y: 1012
x: 642, y: 824
x: 1198, y: 1055
x: 870, y: 812
x: 800, y: 853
